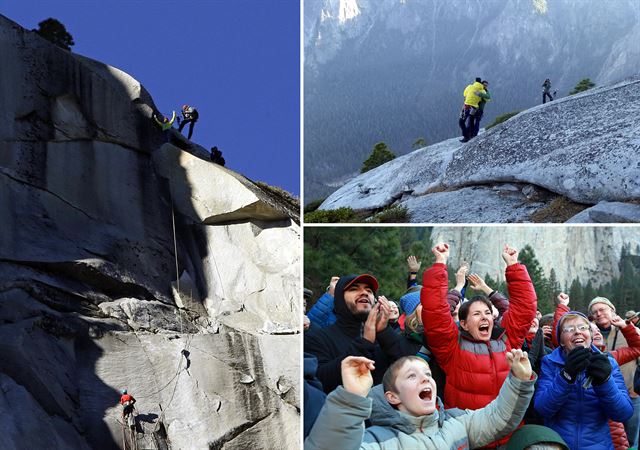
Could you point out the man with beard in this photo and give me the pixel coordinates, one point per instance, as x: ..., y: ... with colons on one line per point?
x: 361, y: 329
x: 602, y: 312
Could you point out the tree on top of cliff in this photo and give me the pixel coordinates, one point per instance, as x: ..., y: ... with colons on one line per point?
x: 380, y: 155
x: 55, y: 32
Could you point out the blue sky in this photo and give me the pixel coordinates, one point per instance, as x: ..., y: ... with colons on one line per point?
x: 237, y: 61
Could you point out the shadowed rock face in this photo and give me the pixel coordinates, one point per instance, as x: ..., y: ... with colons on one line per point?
x: 93, y: 209
x: 583, y: 147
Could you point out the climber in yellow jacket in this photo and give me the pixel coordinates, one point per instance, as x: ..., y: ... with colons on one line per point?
x: 469, y: 109
x: 166, y: 124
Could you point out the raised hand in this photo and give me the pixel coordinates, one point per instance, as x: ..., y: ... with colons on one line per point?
x: 369, y: 329
x: 306, y: 323
x: 385, y: 313
x: 520, y: 364
x: 478, y: 284
x: 413, y: 263
x: 356, y: 374
x: 618, y: 321
x: 599, y: 368
x: 510, y: 255
x: 332, y: 285
x: 563, y: 299
x: 441, y: 252
x: 547, y: 331
x: 461, y: 275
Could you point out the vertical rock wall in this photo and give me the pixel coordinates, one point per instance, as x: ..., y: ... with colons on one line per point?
x: 92, y: 206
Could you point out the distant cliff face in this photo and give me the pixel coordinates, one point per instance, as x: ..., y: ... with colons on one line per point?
x: 394, y: 70
x: 98, y: 216
x: 588, y: 253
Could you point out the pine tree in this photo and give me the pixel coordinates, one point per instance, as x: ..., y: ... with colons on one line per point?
x: 583, y: 85
x: 380, y: 155
x: 55, y: 32
x: 576, y: 295
x: 541, y: 284
x: 419, y: 143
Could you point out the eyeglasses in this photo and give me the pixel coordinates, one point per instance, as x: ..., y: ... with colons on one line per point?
x: 572, y: 328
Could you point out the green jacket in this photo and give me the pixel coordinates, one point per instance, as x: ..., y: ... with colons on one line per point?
x: 165, y: 125
x: 340, y: 424
x: 484, y: 98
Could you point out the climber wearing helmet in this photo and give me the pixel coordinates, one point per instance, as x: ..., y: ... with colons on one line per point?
x: 189, y: 116
x: 127, y: 402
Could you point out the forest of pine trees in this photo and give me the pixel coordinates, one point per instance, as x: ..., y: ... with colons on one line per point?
x: 382, y: 252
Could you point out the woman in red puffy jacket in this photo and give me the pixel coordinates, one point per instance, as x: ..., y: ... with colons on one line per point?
x: 474, y: 355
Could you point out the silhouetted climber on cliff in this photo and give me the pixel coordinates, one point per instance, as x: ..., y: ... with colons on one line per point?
x: 216, y: 156
x: 166, y: 124
x: 127, y: 401
x: 189, y: 116
x: 546, y: 91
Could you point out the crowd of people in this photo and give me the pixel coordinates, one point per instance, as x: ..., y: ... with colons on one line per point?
x: 443, y: 371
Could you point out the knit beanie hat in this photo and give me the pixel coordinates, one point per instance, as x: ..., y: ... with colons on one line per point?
x: 534, y: 434
x: 601, y: 300
x: 410, y: 301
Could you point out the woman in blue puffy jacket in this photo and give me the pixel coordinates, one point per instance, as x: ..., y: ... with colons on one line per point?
x: 580, y: 389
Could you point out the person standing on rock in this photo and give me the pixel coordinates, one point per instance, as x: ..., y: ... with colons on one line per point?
x: 469, y: 109
x: 166, y: 124
x: 189, y: 116
x: 127, y: 401
x: 546, y: 91
x: 484, y: 98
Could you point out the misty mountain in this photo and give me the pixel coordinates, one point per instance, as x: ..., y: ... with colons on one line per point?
x: 394, y: 70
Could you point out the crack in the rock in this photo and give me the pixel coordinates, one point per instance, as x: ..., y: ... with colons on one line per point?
x: 219, y: 443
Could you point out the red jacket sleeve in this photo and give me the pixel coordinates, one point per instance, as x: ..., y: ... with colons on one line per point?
x: 440, y: 330
x: 627, y: 354
x: 560, y: 310
x: 523, y: 304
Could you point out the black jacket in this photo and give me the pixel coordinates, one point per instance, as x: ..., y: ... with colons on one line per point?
x: 344, y: 338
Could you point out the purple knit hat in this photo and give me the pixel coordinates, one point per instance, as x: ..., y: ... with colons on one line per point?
x: 559, y: 325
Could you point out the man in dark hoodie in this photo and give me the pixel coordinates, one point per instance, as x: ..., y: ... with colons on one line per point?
x: 361, y: 329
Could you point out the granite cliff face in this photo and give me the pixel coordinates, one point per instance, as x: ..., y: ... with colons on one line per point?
x: 129, y: 262
x: 588, y: 253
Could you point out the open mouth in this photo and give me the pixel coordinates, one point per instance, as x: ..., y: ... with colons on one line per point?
x: 484, y: 328
x: 578, y: 341
x: 426, y: 394
x: 363, y: 300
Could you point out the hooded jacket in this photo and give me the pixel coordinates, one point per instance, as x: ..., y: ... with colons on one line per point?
x: 344, y: 338
x: 470, y: 98
x: 341, y: 422
x: 577, y: 414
